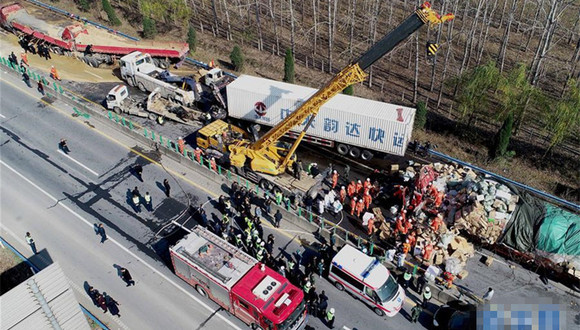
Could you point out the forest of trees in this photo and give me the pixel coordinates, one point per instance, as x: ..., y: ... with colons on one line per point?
x: 522, y: 54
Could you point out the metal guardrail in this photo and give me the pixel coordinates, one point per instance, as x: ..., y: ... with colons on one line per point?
x: 36, y: 270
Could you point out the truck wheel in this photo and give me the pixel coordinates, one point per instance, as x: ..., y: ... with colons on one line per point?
x: 201, y: 290
x: 342, y: 149
x: 129, y: 81
x: 255, y: 326
x: 339, y: 286
x: 264, y: 184
x: 276, y: 189
x: 117, y: 110
x: 379, y: 311
x: 354, y: 152
x: 152, y: 116
x: 366, y: 155
x: 94, y: 62
x: 141, y: 87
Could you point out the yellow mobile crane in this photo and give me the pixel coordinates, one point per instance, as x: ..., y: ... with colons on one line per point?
x: 266, y: 155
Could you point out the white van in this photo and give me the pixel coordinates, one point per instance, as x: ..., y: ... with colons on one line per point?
x: 367, y: 278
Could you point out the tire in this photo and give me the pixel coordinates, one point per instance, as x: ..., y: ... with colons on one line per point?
x: 141, y: 87
x: 94, y: 62
x: 130, y: 81
x: 379, y: 311
x: 254, y: 326
x: 367, y: 155
x: 152, y: 116
x: 201, y: 291
x: 276, y: 189
x: 342, y: 149
x: 117, y: 110
x: 263, y: 184
x: 339, y: 286
x: 354, y: 152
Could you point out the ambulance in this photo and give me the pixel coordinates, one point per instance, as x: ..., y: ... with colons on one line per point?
x: 368, y: 279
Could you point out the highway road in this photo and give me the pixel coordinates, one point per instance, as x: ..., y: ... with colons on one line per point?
x: 58, y: 198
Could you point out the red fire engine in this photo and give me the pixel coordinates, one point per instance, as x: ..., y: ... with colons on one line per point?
x: 254, y: 293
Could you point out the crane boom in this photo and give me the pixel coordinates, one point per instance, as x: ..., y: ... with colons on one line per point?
x: 353, y: 73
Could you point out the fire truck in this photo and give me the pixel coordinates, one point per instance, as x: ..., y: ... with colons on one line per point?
x: 240, y: 284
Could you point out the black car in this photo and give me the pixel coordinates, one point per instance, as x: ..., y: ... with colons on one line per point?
x: 454, y: 315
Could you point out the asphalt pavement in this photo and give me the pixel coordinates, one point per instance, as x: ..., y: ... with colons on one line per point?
x: 58, y: 197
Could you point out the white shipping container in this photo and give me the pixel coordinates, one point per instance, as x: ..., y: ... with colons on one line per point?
x: 344, y: 119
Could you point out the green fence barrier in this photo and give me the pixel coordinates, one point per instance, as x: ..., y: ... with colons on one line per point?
x: 123, y: 121
x: 130, y: 125
x: 219, y: 170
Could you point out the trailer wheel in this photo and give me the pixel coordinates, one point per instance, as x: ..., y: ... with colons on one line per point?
x: 201, y: 290
x: 117, y: 110
x: 339, y: 286
x: 264, y: 184
x: 94, y: 62
x: 354, y: 152
x: 342, y: 149
x: 152, y: 116
x: 366, y: 155
x: 254, y: 326
x: 141, y: 87
x: 379, y: 311
x: 276, y: 189
x: 129, y: 81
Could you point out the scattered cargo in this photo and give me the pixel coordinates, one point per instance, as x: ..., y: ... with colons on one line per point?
x: 92, y: 45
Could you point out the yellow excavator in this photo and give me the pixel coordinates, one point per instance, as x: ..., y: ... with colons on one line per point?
x: 267, y: 154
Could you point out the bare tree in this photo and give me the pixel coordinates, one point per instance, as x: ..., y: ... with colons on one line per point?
x: 573, y: 30
x: 573, y: 65
x: 260, y: 38
x: 470, y: 38
x: 331, y: 30
x: 502, y: 14
x: 292, y: 30
x: 315, y: 18
x: 273, y: 18
x: 416, y: 78
x: 448, y: 45
x: 374, y: 17
x: 352, y: 14
x: 438, y: 39
x: 506, y: 36
x: 546, y: 41
x: 216, y: 23
x: 483, y: 40
x: 533, y: 29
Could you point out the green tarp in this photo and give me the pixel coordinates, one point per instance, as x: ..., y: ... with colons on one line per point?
x: 521, y: 231
x: 559, y: 232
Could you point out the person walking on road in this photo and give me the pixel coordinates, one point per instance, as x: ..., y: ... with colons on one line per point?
x: 167, y: 187
x: 148, y: 204
x: 93, y: 294
x: 329, y: 318
x: 30, y: 242
x: 102, y: 233
x: 488, y: 295
x: 63, y: 146
x: 277, y: 219
x: 138, y: 172
x: 426, y: 296
x: 101, y: 302
x: 112, y: 305
x: 127, y: 276
x: 415, y: 313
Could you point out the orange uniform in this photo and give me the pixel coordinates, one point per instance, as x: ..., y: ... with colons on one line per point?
x: 399, y: 226
x: 427, y: 251
x: 406, y: 247
x: 370, y: 226
x: 360, y: 206
x: 342, y: 195
x: 436, y: 223
x: 351, y: 189
x: 367, y: 184
x: 197, y: 154
x: 439, y: 199
x: 181, y: 145
x: 359, y: 187
x: 352, y: 206
x: 24, y: 58
x: 54, y: 73
x: 367, y: 200
x: 213, y: 164
x: 334, y: 179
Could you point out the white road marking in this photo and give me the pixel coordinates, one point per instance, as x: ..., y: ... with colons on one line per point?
x: 1, y: 115
x: 92, y: 74
x: 167, y: 279
x: 79, y: 163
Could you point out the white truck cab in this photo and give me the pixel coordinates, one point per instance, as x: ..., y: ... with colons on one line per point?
x: 136, y: 62
x: 367, y: 278
x: 116, y: 97
x: 214, y: 76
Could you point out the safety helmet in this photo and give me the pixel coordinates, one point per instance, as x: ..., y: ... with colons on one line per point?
x: 332, y: 311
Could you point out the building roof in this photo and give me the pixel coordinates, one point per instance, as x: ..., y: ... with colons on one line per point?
x: 44, y: 301
x: 275, y: 302
x: 366, y: 269
x: 276, y: 90
x: 224, y: 262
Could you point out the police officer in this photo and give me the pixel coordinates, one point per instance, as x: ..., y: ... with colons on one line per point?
x: 238, y: 241
x: 329, y: 318
x: 406, y: 278
x: 426, y: 296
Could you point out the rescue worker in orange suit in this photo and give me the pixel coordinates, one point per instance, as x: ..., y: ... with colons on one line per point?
x: 342, y: 195
x: 213, y: 164
x: 359, y: 187
x: 54, y: 74
x: 436, y: 223
x: 401, y: 193
x: 399, y: 226
x: 417, y: 198
x: 352, y: 205
x: 370, y: 226
x: 360, y: 206
x: 181, y: 145
x: 439, y: 198
x: 351, y: 189
x: 433, y: 190
x: 406, y: 247
x: 408, y: 225
x: 334, y: 179
x: 448, y: 278
x: 367, y: 185
x: 412, y: 238
x: 24, y: 58
x: 404, y: 216
x: 427, y: 250
x: 367, y: 200
x: 197, y: 154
